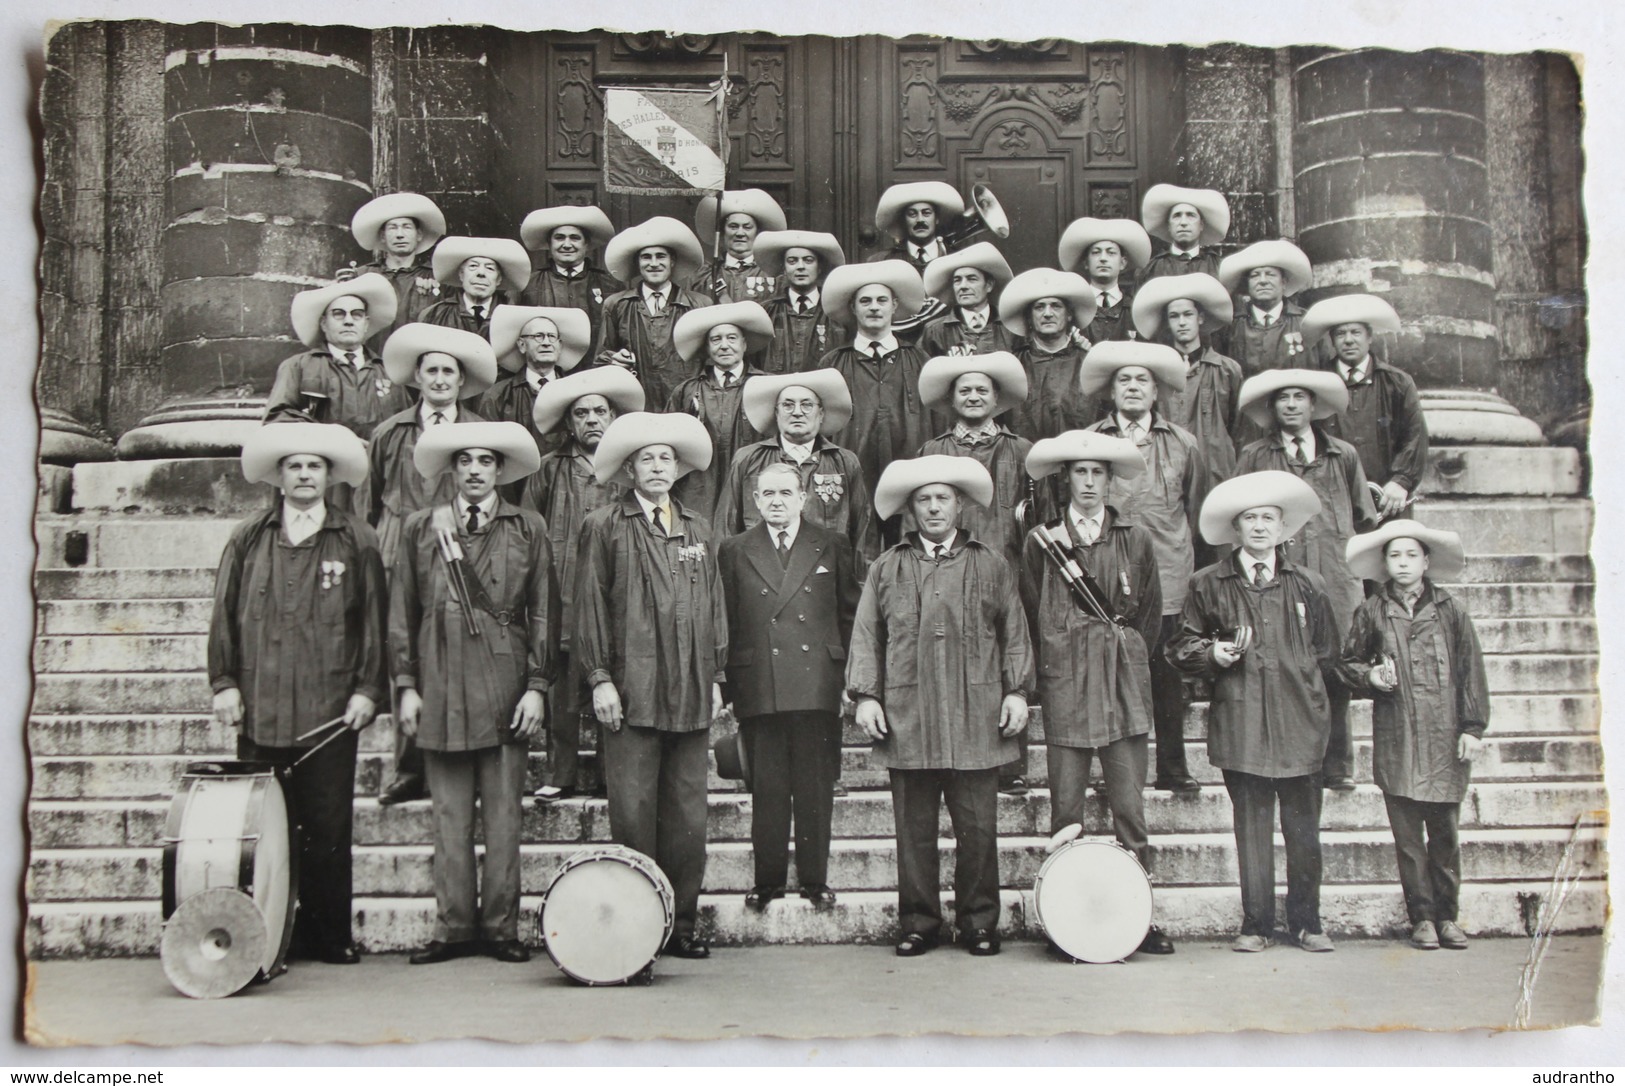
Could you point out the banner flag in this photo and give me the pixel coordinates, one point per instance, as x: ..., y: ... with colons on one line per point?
x: 660, y: 142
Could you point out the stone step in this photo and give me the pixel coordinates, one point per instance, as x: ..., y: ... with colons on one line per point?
x: 1204, y: 859
x: 168, y: 616
x: 133, y: 542
x: 113, y: 652
x: 198, y: 735
x: 177, y: 582
x: 104, y: 824
x: 1512, y: 526
x: 104, y: 929
x: 1520, y: 600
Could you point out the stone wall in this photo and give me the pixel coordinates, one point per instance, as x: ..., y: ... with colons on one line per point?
x: 1227, y: 138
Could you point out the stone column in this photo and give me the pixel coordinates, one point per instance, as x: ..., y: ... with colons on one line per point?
x: 1227, y: 139
x: 269, y: 153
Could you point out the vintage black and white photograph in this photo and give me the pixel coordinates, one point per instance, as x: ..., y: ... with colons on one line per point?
x: 628, y: 534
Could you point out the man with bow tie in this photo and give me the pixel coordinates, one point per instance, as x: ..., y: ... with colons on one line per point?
x: 565, y: 277
x: 535, y: 345
x: 736, y: 276
x: 1101, y: 250
x: 1384, y: 420
x: 1267, y: 331
x: 480, y: 274
x: 803, y: 332
x: 1191, y: 221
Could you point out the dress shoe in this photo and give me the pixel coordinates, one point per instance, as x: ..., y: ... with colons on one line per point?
x: 349, y: 954
x: 914, y: 944
x: 1315, y: 942
x: 1252, y: 944
x: 401, y: 791
x: 1451, y: 937
x: 1339, y: 784
x: 822, y: 897
x: 552, y: 793
x: 983, y: 942
x: 507, y: 950
x: 437, y: 952
x: 688, y: 946
x: 758, y: 898
x: 1181, y: 785
x: 1155, y: 942
x: 1016, y: 786
x: 1424, y: 936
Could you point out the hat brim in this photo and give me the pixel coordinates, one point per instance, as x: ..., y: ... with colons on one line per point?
x: 1296, y: 272
x: 1282, y: 489
x: 1129, y: 235
x: 1021, y: 292
x: 1151, y: 302
x: 772, y: 245
x: 761, y: 396
x: 265, y: 448
x: 662, y: 231
x: 636, y: 430
x: 1050, y: 455
x: 1103, y: 360
x: 410, y: 342
x: 438, y: 445
x: 1366, y: 309
x: 1257, y: 392
x: 844, y: 282
x: 372, y: 288
x: 694, y: 327
x: 1446, y: 555
x: 508, y: 254
x: 613, y: 383
x: 756, y: 203
x: 1160, y: 200
x: 367, y: 225
x: 939, y: 274
x: 938, y: 375
x: 733, y: 758
x: 939, y: 194
x: 536, y: 232
x: 508, y: 321
x: 903, y: 477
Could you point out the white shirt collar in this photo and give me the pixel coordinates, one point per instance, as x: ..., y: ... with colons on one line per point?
x: 862, y: 340
x: 1308, y: 438
x: 717, y: 373
x: 360, y: 354
x: 929, y: 251
x: 649, y: 508
x: 1113, y: 295
x: 790, y: 529
x: 1191, y: 253
x: 485, y: 306
x: 944, y: 547
x: 1248, y: 562
x: 663, y: 291
x: 426, y: 413
x: 811, y: 295
x: 799, y: 453
x: 487, y: 507
x: 1347, y: 372
x: 534, y: 379
x: 570, y: 273
x: 301, y: 524
x: 737, y: 263
x: 1124, y: 422
x: 1094, y: 523
x: 1268, y: 316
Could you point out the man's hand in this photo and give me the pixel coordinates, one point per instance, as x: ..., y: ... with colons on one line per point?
x: 1225, y: 654
x: 717, y: 704
x: 344, y: 275
x: 530, y: 714
x: 623, y: 357
x: 606, y: 705
x: 358, y: 713
x: 1394, y: 498
x: 1012, y: 715
x: 411, y: 709
x: 1379, y: 680
x: 1467, y: 745
x: 228, y: 707
x: 872, y: 719
x: 1080, y: 340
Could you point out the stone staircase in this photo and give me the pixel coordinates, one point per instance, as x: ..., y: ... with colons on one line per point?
x: 121, y: 706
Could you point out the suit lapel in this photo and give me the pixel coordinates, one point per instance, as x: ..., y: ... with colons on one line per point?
x: 764, y: 556
x: 804, y: 555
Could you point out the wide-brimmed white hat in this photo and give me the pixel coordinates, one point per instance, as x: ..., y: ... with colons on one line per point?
x: 1129, y: 235
x: 1104, y: 359
x: 1161, y: 199
x: 1257, y: 392
x: 1446, y: 555
x: 266, y: 446
x: 903, y: 477
x: 1151, y: 301
x: 771, y: 245
x: 1028, y: 287
x: 753, y: 202
x: 639, y: 429
x: 844, y: 282
x: 369, y: 219
x: 1367, y: 309
x: 692, y: 328
x: 410, y: 342
x: 1291, y: 495
x: 621, y: 254
x: 509, y: 255
x: 537, y: 230
x: 937, y: 378
x: 939, y: 274
x: 614, y: 383
x: 761, y: 398
x: 938, y: 194
x: 1296, y: 272
x: 370, y: 287
x: 507, y: 321
x: 438, y: 445
x: 1052, y: 454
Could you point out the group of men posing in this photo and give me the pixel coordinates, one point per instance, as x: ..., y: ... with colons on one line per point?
x: 1052, y: 490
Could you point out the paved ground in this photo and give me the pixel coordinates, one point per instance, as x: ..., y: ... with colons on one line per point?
x: 845, y: 991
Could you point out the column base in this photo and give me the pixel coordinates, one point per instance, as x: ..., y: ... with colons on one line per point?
x: 66, y: 441
x: 1479, y: 445
x: 202, y: 426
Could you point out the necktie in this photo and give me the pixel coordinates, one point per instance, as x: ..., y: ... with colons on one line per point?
x: 657, y: 302
x: 437, y: 418
x: 1086, y: 532
x: 478, y: 311
x: 660, y: 525
x: 784, y: 548
x: 1297, y: 451
x: 803, y: 304
x: 1104, y: 304
x: 1261, y: 574
x: 1135, y: 432
x: 727, y: 380
x: 473, y: 519
x: 874, y: 352
x: 1355, y: 376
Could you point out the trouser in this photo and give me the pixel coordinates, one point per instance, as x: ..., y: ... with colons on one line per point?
x: 497, y: 776
x: 1339, y: 760
x: 1169, y: 701
x: 1123, y: 761
x: 791, y: 776
x: 657, y: 805
x: 1252, y: 802
x: 567, y: 722
x: 1429, y: 874
x: 320, y: 794
x: 973, y: 808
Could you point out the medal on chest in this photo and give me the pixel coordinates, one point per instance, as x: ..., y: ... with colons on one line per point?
x: 823, y: 333
x: 597, y: 296
x: 384, y: 386
x: 332, y: 574
x: 829, y: 487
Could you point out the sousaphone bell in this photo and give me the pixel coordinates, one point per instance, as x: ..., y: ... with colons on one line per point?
x: 983, y: 213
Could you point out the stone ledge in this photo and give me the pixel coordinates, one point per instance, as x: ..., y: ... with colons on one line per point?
x: 175, y: 486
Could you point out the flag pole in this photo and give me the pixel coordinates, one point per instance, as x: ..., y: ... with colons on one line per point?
x: 722, y: 141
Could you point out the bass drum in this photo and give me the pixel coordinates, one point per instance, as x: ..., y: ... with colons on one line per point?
x: 228, y: 828
x: 1093, y: 900
x: 607, y: 914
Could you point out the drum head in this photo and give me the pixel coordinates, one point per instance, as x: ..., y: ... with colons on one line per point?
x: 214, y: 944
x: 273, y: 873
x: 1094, y: 901
x: 604, y: 919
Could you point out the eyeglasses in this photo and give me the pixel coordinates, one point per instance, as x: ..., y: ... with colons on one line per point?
x: 543, y: 337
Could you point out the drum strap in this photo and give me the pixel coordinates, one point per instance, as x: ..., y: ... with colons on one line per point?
x: 482, y: 598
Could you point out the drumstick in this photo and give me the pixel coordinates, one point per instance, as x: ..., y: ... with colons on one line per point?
x: 299, y: 760
x: 318, y: 728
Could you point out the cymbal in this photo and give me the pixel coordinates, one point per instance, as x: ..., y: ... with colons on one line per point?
x: 214, y: 943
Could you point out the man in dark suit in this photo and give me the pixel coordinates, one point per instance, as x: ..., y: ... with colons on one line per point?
x: 791, y: 590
